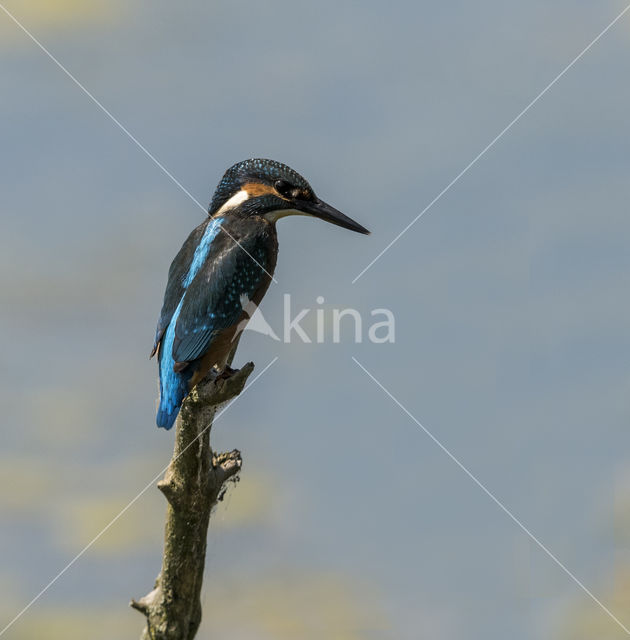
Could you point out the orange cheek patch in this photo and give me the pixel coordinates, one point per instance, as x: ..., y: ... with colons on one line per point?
x: 255, y: 189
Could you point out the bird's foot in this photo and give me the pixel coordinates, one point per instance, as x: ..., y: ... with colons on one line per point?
x: 227, y: 372
x: 215, y: 374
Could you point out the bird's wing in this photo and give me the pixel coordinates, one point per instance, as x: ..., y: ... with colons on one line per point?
x: 175, y: 287
x: 215, y: 298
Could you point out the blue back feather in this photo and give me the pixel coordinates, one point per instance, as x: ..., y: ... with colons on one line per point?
x: 174, y: 385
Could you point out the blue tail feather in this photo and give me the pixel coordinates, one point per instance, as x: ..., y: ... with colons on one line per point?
x: 173, y: 390
x: 166, y: 416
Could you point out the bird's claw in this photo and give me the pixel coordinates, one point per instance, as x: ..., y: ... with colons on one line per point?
x: 227, y: 372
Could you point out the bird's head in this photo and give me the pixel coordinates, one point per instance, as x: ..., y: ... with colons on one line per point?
x: 271, y: 190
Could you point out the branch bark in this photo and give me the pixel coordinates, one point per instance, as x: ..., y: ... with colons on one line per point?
x: 193, y: 484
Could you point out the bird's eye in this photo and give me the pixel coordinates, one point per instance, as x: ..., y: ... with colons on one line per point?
x: 284, y: 188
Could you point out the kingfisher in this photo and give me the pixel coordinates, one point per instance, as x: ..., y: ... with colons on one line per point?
x: 223, y: 270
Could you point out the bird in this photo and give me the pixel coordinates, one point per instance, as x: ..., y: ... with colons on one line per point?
x: 225, y: 265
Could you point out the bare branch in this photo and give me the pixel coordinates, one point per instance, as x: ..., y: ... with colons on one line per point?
x: 193, y: 484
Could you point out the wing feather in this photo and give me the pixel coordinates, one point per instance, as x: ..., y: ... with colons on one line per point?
x: 213, y: 301
x: 175, y: 287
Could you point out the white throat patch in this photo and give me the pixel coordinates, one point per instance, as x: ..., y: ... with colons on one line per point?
x: 272, y: 216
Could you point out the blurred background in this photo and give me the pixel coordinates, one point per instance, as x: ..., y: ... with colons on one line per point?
x: 510, y: 297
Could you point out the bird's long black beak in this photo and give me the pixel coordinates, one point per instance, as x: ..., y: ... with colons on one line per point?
x: 324, y: 211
